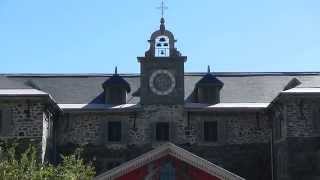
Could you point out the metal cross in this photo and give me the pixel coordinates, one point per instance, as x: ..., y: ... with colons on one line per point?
x: 162, y: 7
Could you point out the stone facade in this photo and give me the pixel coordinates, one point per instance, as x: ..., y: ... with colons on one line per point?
x: 241, y: 134
x: 297, y: 148
x: 27, y: 119
x: 246, y: 136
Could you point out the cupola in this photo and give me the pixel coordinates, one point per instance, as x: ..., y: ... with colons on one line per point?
x: 162, y: 43
x: 116, y: 89
x: 208, y: 89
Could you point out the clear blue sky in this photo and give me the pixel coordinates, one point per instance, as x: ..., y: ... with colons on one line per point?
x: 92, y: 36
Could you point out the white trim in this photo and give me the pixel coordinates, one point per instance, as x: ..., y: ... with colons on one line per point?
x: 302, y: 90
x: 8, y: 92
x: 95, y: 106
x: 175, y: 151
x: 227, y: 105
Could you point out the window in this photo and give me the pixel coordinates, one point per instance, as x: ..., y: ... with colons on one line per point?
x: 168, y: 172
x: 279, y: 126
x: 316, y: 120
x: 1, y: 121
x: 117, y: 96
x: 114, y: 131
x: 162, y: 131
x: 162, y: 48
x: 210, y: 131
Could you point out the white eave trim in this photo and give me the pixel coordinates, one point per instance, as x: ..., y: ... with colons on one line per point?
x: 228, y: 105
x: 302, y: 90
x: 175, y: 151
x: 96, y: 106
x: 22, y: 92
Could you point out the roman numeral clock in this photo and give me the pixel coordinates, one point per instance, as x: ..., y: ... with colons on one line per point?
x: 162, y: 70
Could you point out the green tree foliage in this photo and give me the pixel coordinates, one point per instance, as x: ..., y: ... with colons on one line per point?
x: 27, y: 166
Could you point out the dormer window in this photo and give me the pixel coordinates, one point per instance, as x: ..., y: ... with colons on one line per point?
x: 208, y: 89
x: 162, y: 48
x: 116, y: 89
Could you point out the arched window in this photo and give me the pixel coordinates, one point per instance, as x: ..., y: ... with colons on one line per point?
x: 167, y: 172
x: 162, y: 46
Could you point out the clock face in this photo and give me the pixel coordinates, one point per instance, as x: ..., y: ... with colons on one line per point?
x: 162, y: 82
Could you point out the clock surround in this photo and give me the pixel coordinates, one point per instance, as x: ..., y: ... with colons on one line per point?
x: 162, y: 82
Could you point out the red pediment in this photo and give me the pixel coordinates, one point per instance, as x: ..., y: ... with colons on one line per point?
x: 168, y: 162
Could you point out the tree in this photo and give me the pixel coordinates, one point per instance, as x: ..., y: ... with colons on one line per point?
x: 26, y: 166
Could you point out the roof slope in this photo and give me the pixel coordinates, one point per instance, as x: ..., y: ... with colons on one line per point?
x: 87, y: 89
x: 6, y: 83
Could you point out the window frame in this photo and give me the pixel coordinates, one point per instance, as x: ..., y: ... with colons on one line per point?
x: 6, y: 129
x: 120, y: 132
x: 221, y: 129
x: 156, y: 131
x: 205, y: 129
x: 165, y: 49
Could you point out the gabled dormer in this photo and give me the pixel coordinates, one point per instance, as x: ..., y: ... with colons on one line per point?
x: 116, y: 89
x: 208, y: 89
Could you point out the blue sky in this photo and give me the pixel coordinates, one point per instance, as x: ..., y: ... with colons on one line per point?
x: 93, y: 36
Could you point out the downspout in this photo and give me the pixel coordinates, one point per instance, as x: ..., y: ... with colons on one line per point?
x: 54, y: 138
x: 271, y: 147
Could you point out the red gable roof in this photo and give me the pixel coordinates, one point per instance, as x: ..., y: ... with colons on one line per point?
x: 146, y: 164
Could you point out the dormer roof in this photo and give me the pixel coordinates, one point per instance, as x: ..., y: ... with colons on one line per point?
x: 116, y: 81
x: 209, y: 80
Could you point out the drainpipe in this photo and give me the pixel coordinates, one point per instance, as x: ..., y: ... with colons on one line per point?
x: 271, y: 147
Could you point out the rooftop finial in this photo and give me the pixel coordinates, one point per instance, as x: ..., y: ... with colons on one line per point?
x: 162, y: 7
x: 116, y: 70
x: 209, y: 71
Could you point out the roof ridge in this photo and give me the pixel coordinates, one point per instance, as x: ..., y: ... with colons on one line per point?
x: 138, y: 74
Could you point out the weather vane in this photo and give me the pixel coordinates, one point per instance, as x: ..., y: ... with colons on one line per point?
x: 162, y: 8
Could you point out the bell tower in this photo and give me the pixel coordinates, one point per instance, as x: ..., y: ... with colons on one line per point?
x: 162, y: 70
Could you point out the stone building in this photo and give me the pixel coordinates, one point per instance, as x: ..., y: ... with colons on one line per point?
x: 256, y: 125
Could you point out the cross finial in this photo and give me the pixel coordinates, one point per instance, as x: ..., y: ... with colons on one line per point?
x: 162, y: 8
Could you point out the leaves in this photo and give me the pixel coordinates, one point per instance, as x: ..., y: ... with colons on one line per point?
x: 27, y: 166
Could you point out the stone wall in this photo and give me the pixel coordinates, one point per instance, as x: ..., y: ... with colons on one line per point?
x: 296, y: 153
x: 235, y: 127
x: 144, y: 131
x: 243, y: 146
x: 26, y: 121
x: 87, y: 128
x: 139, y: 128
x: 303, y: 117
x: 24, y: 118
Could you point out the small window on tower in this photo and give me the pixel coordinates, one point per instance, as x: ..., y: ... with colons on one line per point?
x: 162, y: 131
x: 0, y: 121
x: 114, y: 131
x: 162, y: 48
x: 210, y: 131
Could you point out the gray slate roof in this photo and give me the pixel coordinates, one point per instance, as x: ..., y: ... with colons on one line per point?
x: 87, y: 88
x: 6, y: 83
